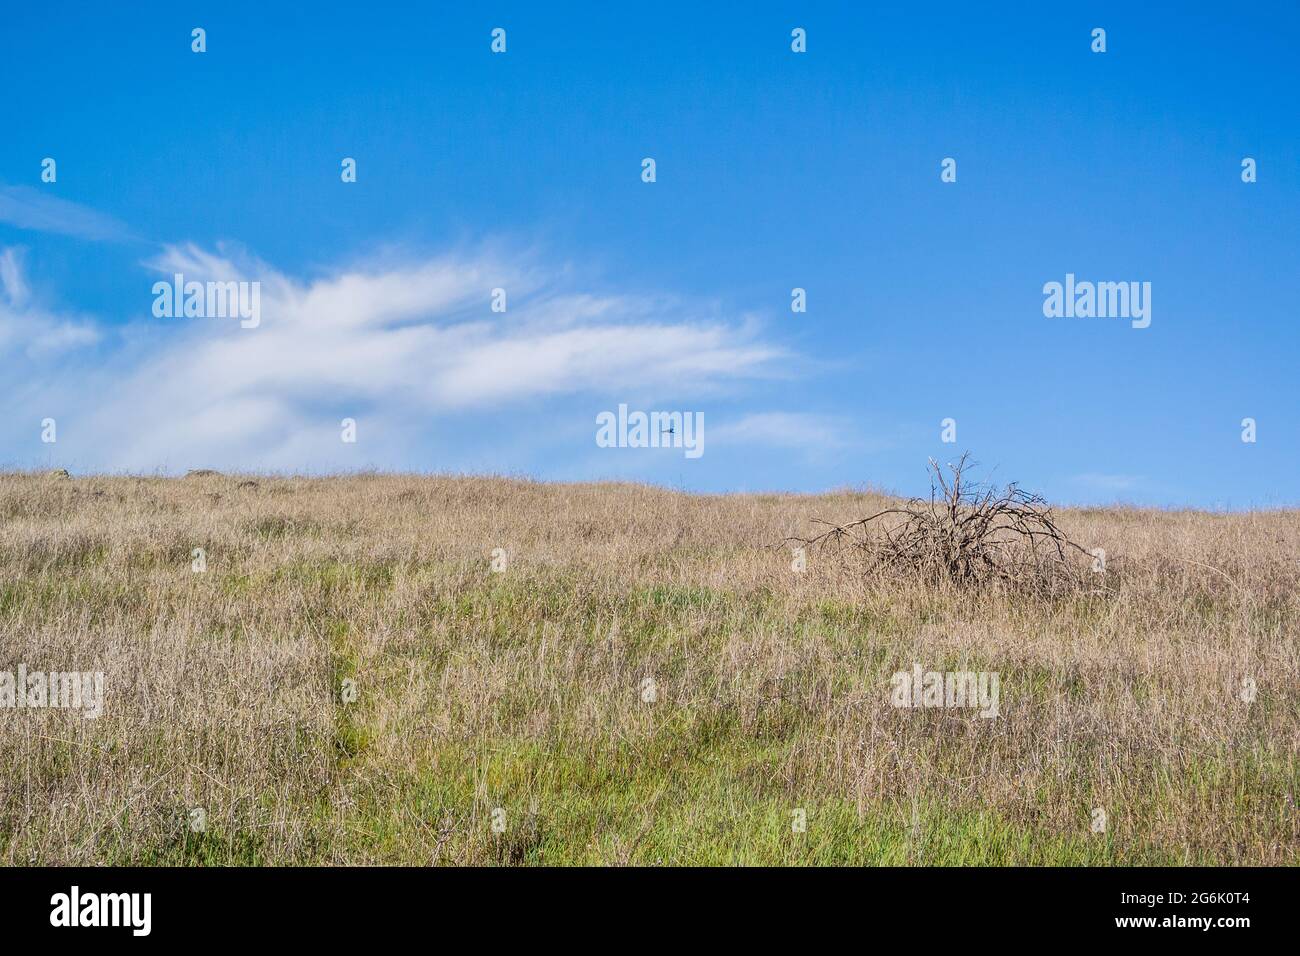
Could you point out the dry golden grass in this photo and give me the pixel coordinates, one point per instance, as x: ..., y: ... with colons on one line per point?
x: 521, y: 691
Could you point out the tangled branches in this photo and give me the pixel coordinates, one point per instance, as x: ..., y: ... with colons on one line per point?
x: 968, y: 534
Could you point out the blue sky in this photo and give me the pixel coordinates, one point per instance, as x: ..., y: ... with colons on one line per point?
x: 774, y: 170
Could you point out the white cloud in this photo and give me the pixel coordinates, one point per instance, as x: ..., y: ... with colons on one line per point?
x: 393, y: 344
x: 784, y: 430
x: 38, y: 210
x: 27, y: 328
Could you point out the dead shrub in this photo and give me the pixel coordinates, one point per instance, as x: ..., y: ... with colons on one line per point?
x: 969, y: 534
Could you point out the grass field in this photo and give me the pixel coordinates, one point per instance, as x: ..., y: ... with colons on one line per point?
x: 506, y: 716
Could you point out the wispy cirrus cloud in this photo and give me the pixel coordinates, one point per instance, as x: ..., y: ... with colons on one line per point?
x: 27, y: 329
x: 396, y: 344
x: 785, y: 430
x: 37, y: 210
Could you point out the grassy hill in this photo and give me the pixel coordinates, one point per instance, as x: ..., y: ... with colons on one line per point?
x: 643, y: 679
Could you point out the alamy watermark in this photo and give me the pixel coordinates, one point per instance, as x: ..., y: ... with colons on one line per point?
x: 1102, y: 300
x: 209, y: 300
x: 651, y: 430
x: 922, y: 688
x: 64, y: 690
x: 75, y: 908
